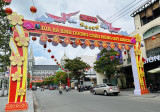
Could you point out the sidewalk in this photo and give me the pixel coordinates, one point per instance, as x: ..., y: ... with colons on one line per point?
x: 130, y: 92
x: 29, y: 99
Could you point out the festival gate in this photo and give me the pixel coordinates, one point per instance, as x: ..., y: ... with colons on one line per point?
x: 64, y: 35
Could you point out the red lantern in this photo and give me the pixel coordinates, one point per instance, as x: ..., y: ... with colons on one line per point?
x: 34, y: 38
x: 62, y: 68
x: 49, y: 40
x: 87, y: 68
x: 71, y: 42
x: 45, y: 46
x: 33, y: 9
x: 8, y: 11
x: 52, y: 56
x: 111, y: 57
x: 153, y: 38
x: 49, y: 50
x: 55, y: 59
x: 61, y: 41
x: 8, y: 1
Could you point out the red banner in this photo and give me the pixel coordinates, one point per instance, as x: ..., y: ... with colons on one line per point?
x: 68, y: 82
x: 52, y: 29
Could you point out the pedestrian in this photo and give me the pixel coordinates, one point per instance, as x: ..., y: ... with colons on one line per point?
x: 79, y: 87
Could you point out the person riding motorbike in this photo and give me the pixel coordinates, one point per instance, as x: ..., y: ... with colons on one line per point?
x: 60, y: 90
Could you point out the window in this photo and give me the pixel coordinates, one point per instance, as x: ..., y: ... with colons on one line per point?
x: 110, y: 85
x: 156, y: 10
x: 143, y: 18
x: 103, y: 85
x: 104, y: 80
x: 150, y: 13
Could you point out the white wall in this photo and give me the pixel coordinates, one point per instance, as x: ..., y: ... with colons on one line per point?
x: 100, y: 77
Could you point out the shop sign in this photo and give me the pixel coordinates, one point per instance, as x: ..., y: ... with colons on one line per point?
x: 152, y: 59
x: 88, y: 18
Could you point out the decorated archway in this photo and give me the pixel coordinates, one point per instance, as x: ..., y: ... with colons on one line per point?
x: 57, y: 34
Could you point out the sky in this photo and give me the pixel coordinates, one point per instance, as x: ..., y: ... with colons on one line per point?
x: 104, y: 8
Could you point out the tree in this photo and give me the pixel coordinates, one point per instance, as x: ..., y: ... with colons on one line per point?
x: 107, y: 62
x: 4, y: 36
x: 56, y: 79
x: 76, y: 67
x: 60, y: 77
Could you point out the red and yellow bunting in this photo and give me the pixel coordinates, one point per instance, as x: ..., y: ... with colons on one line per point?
x: 87, y: 43
x: 43, y: 38
x: 96, y: 44
x: 104, y: 44
x: 126, y: 47
x: 120, y: 46
x: 78, y: 41
x: 112, y: 45
x: 67, y: 41
x: 56, y: 39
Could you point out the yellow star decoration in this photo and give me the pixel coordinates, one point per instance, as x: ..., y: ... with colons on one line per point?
x: 86, y: 26
x: 21, y: 92
x: 93, y: 28
x: 22, y: 40
x: 97, y: 27
x: 137, y: 52
x: 16, y: 60
x: 90, y: 27
x: 17, y: 76
x: 142, y: 73
x: 15, y: 18
x: 138, y: 38
x: 140, y: 64
x: 82, y: 24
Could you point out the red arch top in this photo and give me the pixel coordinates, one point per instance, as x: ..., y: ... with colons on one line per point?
x: 52, y: 29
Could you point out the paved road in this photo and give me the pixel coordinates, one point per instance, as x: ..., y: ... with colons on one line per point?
x: 3, y: 102
x: 51, y: 101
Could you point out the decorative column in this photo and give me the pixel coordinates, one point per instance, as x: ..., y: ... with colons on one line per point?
x: 138, y: 68
x: 18, y: 68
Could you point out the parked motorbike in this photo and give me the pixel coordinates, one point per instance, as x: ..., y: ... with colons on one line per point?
x: 154, y: 87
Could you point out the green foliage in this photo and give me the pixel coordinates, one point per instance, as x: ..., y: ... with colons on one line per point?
x: 105, y: 64
x: 28, y: 80
x: 56, y: 79
x: 76, y: 67
x: 4, y: 36
x: 61, y: 77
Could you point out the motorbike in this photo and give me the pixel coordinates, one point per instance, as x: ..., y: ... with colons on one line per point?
x: 60, y: 91
x: 154, y: 87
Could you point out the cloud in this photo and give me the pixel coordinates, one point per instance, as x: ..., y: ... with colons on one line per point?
x: 40, y: 60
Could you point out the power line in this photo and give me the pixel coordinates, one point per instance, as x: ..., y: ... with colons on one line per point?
x: 121, y: 10
x: 125, y: 11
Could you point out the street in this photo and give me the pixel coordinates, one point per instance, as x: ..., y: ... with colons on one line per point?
x: 73, y: 101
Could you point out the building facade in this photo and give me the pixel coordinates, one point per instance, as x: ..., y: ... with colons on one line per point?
x: 147, y: 25
x: 40, y: 71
